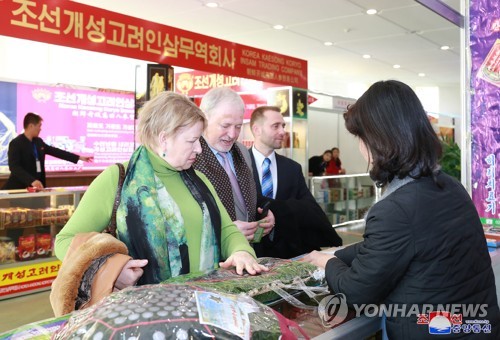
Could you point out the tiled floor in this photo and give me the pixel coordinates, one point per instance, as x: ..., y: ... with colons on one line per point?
x: 19, y: 311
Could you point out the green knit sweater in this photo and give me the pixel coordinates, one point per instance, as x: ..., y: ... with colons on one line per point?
x: 94, y: 212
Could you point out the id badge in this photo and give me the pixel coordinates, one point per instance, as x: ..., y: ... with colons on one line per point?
x: 38, y: 166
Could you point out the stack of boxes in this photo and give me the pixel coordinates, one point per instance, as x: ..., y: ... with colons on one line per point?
x: 31, y: 243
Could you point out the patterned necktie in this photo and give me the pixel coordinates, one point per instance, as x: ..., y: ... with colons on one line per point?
x: 232, y: 179
x: 267, y: 179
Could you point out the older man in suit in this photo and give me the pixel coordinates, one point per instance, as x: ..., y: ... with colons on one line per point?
x: 301, y: 225
x: 227, y: 163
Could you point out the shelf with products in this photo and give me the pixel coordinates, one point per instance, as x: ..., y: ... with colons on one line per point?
x: 29, y: 222
x: 345, y: 199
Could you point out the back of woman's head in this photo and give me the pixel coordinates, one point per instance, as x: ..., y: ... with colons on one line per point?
x: 392, y: 123
x: 167, y: 112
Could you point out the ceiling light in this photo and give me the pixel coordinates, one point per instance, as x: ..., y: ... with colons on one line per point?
x: 212, y: 4
x: 396, y: 66
x: 445, y: 47
x: 278, y: 27
x: 421, y: 74
x: 328, y: 43
x: 367, y: 56
x: 371, y: 11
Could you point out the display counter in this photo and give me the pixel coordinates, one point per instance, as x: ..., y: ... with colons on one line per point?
x: 362, y: 327
x: 29, y: 222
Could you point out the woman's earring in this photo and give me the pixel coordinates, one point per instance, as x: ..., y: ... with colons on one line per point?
x: 164, y: 149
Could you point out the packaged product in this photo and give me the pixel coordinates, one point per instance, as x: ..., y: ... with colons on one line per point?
x: 26, y: 248
x: 167, y: 311
x: 7, y: 250
x: 43, y: 245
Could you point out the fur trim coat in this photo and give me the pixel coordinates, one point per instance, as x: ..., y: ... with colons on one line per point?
x: 84, y: 249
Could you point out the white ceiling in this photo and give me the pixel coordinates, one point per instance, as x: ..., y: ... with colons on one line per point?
x: 402, y: 32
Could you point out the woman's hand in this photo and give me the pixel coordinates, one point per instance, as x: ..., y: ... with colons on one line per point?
x: 130, y: 274
x: 267, y: 223
x: 243, y: 261
x: 317, y: 258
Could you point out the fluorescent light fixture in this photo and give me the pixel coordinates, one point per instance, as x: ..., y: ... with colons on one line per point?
x: 212, y: 4
x: 328, y: 43
x: 445, y: 47
x: 396, y: 66
x: 366, y: 56
x: 278, y: 27
x: 371, y: 11
x: 421, y: 74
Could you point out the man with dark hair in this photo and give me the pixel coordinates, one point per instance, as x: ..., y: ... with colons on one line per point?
x: 301, y: 224
x: 27, y: 156
x: 317, y: 164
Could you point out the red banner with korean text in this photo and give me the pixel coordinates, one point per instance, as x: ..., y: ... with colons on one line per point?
x: 72, y: 24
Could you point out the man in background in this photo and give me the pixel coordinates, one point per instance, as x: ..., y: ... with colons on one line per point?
x: 301, y: 225
x: 227, y: 163
x: 317, y: 164
x: 27, y: 156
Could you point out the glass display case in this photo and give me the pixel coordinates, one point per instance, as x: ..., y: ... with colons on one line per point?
x: 29, y: 222
x: 344, y: 198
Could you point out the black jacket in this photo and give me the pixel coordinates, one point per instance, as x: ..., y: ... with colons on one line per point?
x: 301, y: 225
x: 22, y: 162
x: 422, y: 245
x: 317, y: 165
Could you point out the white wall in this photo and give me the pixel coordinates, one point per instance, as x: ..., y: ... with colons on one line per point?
x: 30, y: 61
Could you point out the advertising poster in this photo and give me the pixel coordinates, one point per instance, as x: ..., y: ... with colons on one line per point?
x: 83, y: 121
x: 485, y: 110
x: 7, y: 119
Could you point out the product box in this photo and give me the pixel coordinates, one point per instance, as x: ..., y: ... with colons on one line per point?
x: 493, y: 243
x: 337, y: 194
x: 26, y: 248
x: 367, y: 190
x: 43, y: 244
x: 5, y: 218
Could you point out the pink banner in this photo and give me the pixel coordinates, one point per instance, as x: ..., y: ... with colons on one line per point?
x: 81, y: 121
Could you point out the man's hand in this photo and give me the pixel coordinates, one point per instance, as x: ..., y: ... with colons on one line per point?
x: 243, y: 261
x: 130, y: 274
x: 89, y: 159
x: 247, y: 228
x: 37, y: 184
x: 268, y: 222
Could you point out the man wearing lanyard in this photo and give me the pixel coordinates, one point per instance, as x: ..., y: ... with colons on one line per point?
x: 27, y: 156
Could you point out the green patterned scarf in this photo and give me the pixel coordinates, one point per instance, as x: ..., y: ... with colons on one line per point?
x: 150, y: 223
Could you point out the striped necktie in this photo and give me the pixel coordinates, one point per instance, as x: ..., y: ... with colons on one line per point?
x: 267, y: 179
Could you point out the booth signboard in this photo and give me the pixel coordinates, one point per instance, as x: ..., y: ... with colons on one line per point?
x: 81, y: 120
x: 73, y: 24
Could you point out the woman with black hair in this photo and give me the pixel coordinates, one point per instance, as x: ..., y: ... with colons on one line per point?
x: 334, y: 166
x: 424, y: 249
